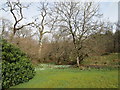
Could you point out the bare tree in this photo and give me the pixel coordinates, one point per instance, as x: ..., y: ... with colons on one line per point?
x: 43, y: 22
x: 25, y: 32
x: 77, y: 19
x: 16, y: 9
x: 5, y: 25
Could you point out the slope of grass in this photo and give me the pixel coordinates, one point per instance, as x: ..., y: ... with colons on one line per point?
x: 72, y: 78
x: 111, y: 59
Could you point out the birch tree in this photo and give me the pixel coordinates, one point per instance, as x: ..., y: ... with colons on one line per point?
x: 43, y: 22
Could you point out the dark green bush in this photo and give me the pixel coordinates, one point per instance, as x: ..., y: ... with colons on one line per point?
x: 16, y: 67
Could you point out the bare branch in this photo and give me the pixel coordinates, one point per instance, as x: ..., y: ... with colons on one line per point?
x: 24, y: 26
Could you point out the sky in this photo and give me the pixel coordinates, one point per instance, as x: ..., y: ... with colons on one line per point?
x: 109, y: 9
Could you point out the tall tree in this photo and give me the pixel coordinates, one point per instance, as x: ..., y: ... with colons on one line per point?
x: 42, y: 22
x: 77, y: 19
x: 117, y: 38
x: 16, y: 9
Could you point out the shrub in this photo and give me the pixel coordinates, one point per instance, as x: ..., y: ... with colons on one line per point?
x: 16, y: 67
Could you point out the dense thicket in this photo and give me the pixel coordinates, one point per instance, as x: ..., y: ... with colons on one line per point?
x: 117, y: 41
x: 61, y: 51
x: 16, y: 67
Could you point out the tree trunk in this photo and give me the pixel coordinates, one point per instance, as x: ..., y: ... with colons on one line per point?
x: 40, y: 44
x: 12, y: 36
x: 78, y: 62
x: 114, y: 46
x: 40, y: 48
x: 58, y: 61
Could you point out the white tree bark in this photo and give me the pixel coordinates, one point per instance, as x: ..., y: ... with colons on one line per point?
x: 78, y: 62
x: 40, y: 48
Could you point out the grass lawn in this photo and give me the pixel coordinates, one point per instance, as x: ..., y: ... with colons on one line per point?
x: 72, y: 78
x: 49, y: 76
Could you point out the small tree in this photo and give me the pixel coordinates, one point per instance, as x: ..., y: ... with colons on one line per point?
x: 6, y: 24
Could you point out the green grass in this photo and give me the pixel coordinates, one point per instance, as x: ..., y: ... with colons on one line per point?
x: 49, y: 76
x: 72, y: 78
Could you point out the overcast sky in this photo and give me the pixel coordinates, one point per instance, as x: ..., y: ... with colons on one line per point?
x: 108, y: 9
